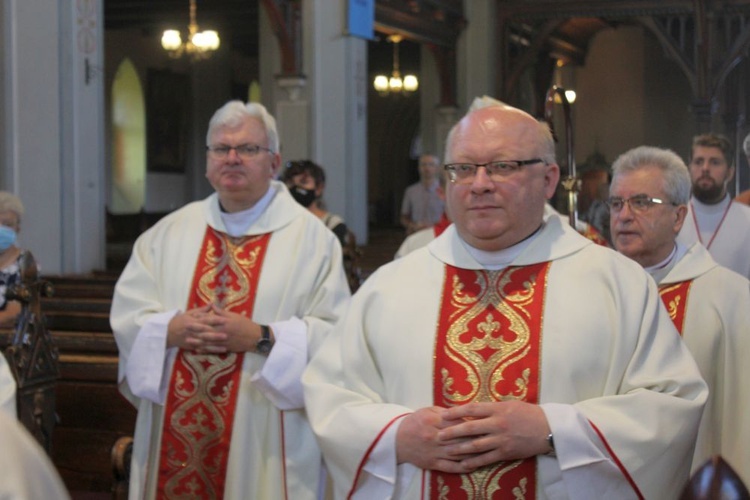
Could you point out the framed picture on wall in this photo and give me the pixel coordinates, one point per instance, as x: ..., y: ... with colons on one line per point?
x: 167, y: 108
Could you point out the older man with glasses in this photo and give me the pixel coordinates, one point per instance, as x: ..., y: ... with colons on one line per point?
x: 709, y: 304
x: 216, y: 314
x: 510, y: 357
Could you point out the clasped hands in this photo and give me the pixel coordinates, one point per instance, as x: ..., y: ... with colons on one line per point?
x: 464, y: 438
x: 212, y: 330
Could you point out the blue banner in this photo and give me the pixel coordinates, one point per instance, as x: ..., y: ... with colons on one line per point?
x: 361, y: 18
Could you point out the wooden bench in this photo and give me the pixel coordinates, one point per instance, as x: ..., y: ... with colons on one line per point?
x: 92, y: 417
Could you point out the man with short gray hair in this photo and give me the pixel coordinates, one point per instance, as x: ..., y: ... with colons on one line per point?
x: 215, y: 315
x: 648, y: 203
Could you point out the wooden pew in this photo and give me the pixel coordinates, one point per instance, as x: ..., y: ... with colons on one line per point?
x: 92, y: 416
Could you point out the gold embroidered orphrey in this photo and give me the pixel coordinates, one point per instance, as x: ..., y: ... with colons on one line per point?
x: 675, y: 299
x: 203, y: 388
x: 488, y: 349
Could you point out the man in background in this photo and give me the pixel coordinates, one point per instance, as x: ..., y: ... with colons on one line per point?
x: 422, y: 237
x: 215, y: 315
x: 713, y: 219
x: 709, y: 304
x: 422, y: 206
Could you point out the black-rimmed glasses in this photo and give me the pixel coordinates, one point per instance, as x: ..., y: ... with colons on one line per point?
x: 244, y: 151
x: 464, y: 173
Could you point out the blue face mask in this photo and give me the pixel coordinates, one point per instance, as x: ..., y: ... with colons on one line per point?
x: 7, y: 238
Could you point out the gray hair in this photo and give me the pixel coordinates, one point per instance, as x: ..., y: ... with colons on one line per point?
x: 746, y: 145
x: 233, y: 113
x: 676, y: 183
x: 11, y: 203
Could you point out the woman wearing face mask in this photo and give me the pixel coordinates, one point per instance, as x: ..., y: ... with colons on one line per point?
x: 306, y: 181
x: 11, y: 210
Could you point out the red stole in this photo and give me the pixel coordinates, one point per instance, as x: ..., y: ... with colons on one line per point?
x: 675, y: 299
x: 441, y: 225
x: 199, y: 412
x: 488, y: 348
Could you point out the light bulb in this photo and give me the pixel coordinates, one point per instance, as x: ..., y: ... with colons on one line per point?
x: 381, y: 83
x: 171, y: 40
x: 395, y: 83
x: 410, y: 83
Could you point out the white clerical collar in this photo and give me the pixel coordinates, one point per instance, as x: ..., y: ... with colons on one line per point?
x: 703, y: 208
x: 500, y: 259
x: 659, y: 271
x: 237, y: 223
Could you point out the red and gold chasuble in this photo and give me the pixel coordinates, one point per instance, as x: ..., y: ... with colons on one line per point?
x: 488, y: 349
x: 203, y: 388
x: 675, y: 299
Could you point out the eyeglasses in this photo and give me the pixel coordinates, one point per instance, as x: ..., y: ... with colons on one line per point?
x: 244, y: 151
x: 639, y: 203
x: 464, y: 173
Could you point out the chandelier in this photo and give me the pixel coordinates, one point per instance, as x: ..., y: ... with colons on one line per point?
x: 395, y: 84
x: 199, y: 44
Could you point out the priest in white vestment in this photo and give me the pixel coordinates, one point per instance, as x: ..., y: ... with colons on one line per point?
x: 7, y: 388
x: 215, y: 315
x: 509, y: 358
x: 26, y: 472
x: 709, y: 304
x: 714, y: 219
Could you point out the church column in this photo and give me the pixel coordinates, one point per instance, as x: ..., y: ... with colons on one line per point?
x: 336, y: 66
x: 293, y: 116
x: 451, y: 77
x: 83, y: 164
x: 476, y: 46
x: 52, y: 127
x: 445, y: 118
x: 320, y: 99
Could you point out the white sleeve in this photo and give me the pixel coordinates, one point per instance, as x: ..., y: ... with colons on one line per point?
x: 383, y: 478
x: 148, y: 367
x: 279, y: 379
x: 588, y: 470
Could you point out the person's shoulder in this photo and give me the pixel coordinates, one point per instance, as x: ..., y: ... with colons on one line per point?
x: 743, y: 197
x: 415, y: 268
x: 741, y: 208
x: 415, y: 241
x: 725, y: 279
x: 598, y: 258
x: 186, y: 212
x: 413, y: 187
x: 332, y: 220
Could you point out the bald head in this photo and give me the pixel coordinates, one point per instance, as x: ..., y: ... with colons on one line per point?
x: 499, y: 118
x: 495, y: 210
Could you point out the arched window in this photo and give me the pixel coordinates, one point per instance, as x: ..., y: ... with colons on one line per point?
x: 128, y: 141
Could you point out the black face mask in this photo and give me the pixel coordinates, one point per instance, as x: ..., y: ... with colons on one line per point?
x: 304, y: 197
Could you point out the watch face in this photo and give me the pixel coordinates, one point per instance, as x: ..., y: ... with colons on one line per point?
x: 263, y: 346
